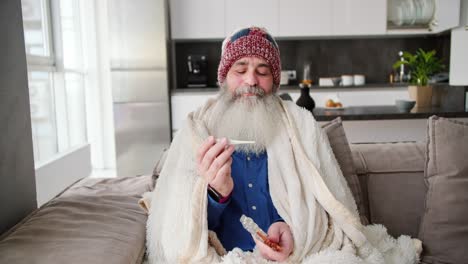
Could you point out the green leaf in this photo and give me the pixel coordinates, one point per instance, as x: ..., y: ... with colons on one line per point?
x: 421, y: 64
x: 397, y: 64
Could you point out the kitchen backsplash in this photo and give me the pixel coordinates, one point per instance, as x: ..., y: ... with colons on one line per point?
x: 372, y: 57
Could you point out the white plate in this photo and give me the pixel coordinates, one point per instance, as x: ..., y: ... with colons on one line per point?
x: 429, y: 11
x: 334, y: 108
x: 418, y: 11
x: 412, y: 16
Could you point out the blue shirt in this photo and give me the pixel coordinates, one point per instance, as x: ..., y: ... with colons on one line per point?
x: 250, y: 196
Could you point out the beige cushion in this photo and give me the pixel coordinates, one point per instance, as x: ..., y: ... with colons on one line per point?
x: 95, y: 221
x: 340, y: 146
x: 444, y: 227
x: 392, y: 180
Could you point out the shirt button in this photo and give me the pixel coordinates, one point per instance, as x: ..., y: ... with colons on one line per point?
x: 250, y: 185
x: 248, y: 158
x: 254, y: 207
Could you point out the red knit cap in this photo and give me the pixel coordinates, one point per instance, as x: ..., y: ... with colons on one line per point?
x: 248, y: 42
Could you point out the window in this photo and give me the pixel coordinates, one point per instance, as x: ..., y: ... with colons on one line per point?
x: 36, y: 27
x: 56, y: 76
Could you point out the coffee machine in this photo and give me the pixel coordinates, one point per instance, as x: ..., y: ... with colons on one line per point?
x: 197, y: 71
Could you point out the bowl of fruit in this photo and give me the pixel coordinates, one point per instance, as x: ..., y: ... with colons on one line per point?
x: 333, y: 105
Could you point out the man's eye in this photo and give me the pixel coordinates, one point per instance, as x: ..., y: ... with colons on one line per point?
x: 240, y: 71
x: 262, y: 73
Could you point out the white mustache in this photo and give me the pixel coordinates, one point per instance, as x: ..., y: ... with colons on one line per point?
x: 249, y: 89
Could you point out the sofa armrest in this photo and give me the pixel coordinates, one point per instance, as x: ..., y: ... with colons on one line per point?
x: 94, y: 221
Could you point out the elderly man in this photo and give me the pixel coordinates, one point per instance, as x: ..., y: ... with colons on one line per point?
x: 238, y: 179
x: 285, y: 178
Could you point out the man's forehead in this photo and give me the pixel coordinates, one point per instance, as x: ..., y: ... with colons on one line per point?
x: 255, y: 61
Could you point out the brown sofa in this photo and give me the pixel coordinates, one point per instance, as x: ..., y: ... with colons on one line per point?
x: 99, y: 221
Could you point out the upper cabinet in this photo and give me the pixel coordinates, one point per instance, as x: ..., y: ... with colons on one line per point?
x: 458, y: 51
x: 244, y: 13
x: 306, y: 18
x: 200, y: 19
x: 422, y: 16
x: 359, y: 17
x: 446, y: 15
x: 214, y: 19
x: 302, y: 18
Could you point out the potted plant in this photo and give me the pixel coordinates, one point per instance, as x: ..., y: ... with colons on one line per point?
x: 422, y: 66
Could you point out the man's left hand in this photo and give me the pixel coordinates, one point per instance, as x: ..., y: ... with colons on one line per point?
x: 280, y: 233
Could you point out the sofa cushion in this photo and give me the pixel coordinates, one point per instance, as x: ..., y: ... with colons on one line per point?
x: 94, y: 221
x: 340, y: 146
x: 444, y: 227
x: 392, y: 179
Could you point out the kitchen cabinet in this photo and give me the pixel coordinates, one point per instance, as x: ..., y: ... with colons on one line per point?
x: 359, y: 17
x: 305, y: 18
x: 458, y: 49
x: 244, y: 13
x: 185, y: 102
x: 302, y: 18
x: 201, y: 19
x: 446, y: 16
x: 214, y: 19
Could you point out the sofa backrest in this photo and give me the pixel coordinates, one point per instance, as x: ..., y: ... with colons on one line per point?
x: 392, y: 179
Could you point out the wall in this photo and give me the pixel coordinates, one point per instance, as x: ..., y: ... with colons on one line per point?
x: 17, y: 181
x: 52, y: 177
x: 372, y: 57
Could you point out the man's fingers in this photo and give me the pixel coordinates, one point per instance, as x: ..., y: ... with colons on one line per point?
x: 269, y: 253
x: 280, y: 233
x: 274, y: 234
x: 204, y: 148
x: 221, y: 160
x: 223, y: 182
x: 286, y: 239
x: 212, y: 153
x: 224, y: 171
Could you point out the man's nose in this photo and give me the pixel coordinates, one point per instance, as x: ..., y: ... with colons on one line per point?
x: 251, y: 79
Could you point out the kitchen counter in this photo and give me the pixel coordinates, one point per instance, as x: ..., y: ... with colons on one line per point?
x: 362, y: 105
x: 351, y: 87
x: 289, y: 88
x: 387, y: 112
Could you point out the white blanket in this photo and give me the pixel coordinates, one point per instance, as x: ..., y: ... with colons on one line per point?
x: 307, y: 189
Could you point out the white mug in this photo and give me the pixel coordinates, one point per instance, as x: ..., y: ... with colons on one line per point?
x: 359, y: 79
x: 346, y: 80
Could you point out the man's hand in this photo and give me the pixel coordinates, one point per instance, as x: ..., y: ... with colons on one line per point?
x: 280, y: 233
x: 214, y: 164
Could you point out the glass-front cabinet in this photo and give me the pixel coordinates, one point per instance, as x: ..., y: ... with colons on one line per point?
x: 422, y: 16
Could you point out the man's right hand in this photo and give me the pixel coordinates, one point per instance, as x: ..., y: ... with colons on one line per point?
x: 214, y: 164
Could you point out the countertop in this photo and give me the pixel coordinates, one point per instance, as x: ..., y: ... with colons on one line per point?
x: 450, y: 98
x: 290, y: 88
x: 386, y: 112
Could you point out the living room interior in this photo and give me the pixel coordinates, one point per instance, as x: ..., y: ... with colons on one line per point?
x: 93, y: 93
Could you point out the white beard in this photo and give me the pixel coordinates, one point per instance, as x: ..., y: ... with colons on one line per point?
x: 253, y: 118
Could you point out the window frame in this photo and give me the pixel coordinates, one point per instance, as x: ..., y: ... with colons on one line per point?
x: 53, y: 63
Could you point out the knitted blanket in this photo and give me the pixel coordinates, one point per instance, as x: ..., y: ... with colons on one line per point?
x: 306, y: 187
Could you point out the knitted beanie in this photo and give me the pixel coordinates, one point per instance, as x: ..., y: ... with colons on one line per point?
x: 246, y: 42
